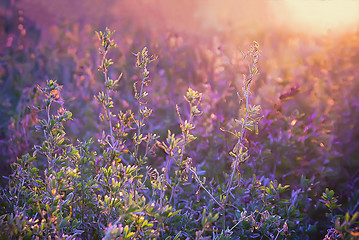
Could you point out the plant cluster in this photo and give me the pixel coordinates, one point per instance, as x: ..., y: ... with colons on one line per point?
x: 211, y: 165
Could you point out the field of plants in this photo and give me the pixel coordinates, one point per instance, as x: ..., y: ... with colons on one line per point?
x: 133, y: 132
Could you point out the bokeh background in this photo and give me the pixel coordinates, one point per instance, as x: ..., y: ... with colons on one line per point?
x: 308, y: 83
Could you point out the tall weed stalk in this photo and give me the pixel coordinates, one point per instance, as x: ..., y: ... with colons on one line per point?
x: 104, y: 98
x: 247, y: 122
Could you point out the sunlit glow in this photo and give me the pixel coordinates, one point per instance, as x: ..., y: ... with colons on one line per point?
x: 195, y: 17
x: 323, y: 15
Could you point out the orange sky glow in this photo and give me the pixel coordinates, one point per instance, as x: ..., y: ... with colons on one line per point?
x: 323, y: 15
x: 194, y: 17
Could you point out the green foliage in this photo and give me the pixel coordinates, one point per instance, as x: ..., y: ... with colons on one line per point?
x: 84, y: 189
x: 345, y: 226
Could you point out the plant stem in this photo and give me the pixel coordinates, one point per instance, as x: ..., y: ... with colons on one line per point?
x: 139, y: 126
x: 239, y: 155
x: 108, y: 112
x: 200, y: 183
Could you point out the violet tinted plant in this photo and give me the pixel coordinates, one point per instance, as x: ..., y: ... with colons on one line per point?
x: 175, y: 148
x: 131, y: 187
x: 143, y: 59
x: 44, y: 209
x: 52, y: 127
x: 248, y: 122
x: 94, y: 193
x: 345, y: 226
x: 115, y: 145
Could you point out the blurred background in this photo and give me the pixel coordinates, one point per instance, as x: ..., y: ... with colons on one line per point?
x: 307, y: 86
x: 308, y: 83
x: 196, y: 17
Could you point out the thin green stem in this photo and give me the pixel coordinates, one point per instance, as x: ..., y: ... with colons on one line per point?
x: 47, y: 134
x: 240, y: 154
x: 139, y: 127
x: 278, y: 234
x: 139, y: 114
x: 108, y: 112
x: 239, y: 157
x: 184, y: 135
x: 204, y: 188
